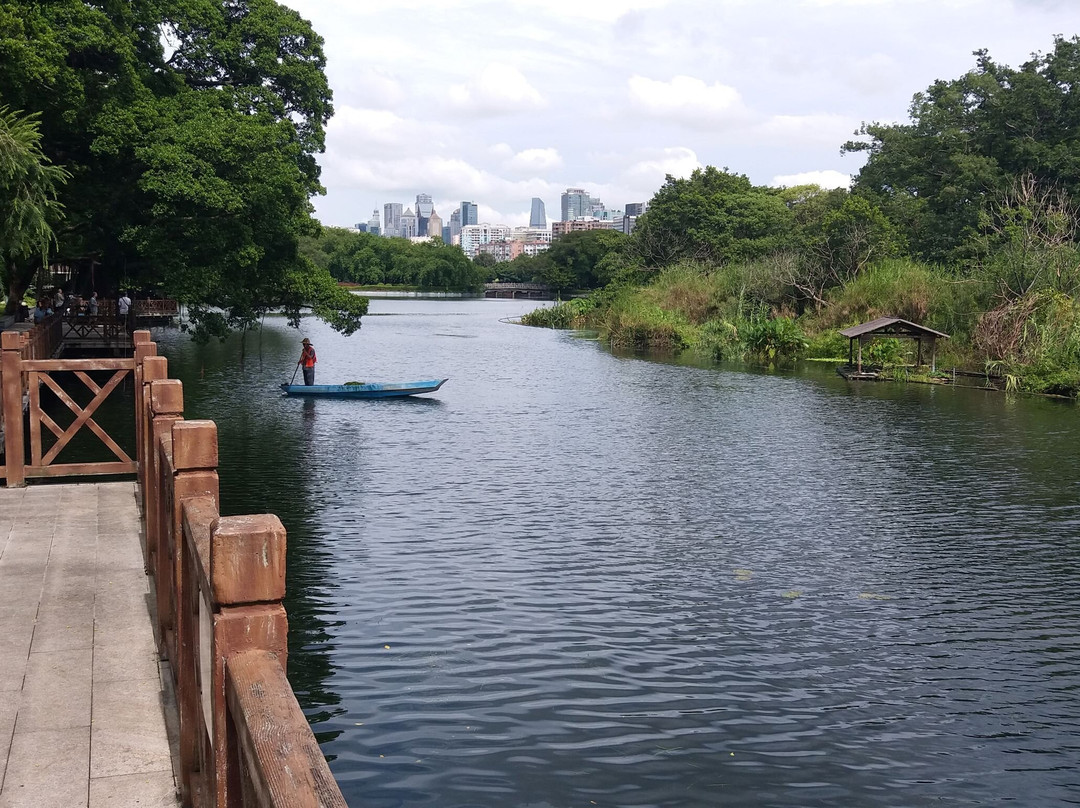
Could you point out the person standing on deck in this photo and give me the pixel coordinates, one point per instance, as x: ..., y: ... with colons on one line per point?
x: 92, y: 306
x: 123, y: 310
x: 308, y: 360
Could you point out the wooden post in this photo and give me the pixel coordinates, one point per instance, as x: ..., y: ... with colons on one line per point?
x: 860, y: 354
x: 247, y: 582
x: 11, y: 345
x: 166, y: 406
x: 192, y: 473
x: 143, y: 348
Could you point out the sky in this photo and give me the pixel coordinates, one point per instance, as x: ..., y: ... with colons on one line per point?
x: 498, y: 102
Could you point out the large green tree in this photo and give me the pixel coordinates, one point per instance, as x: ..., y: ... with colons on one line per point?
x: 28, y: 207
x: 967, y: 142
x: 190, y: 129
x: 713, y: 216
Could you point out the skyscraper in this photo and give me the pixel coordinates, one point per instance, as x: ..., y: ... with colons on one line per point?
x: 634, y: 208
x: 373, y: 222
x: 407, y: 224
x: 470, y: 214
x: 575, y: 204
x: 434, y: 225
x: 423, y: 213
x: 391, y: 218
x: 538, y: 216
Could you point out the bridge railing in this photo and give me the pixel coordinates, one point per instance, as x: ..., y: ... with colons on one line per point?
x: 220, y: 581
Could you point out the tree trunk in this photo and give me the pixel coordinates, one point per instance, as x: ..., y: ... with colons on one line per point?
x: 19, y: 279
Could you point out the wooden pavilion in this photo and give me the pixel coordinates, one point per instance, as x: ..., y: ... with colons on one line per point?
x: 925, y: 338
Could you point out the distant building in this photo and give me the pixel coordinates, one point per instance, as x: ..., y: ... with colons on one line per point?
x: 434, y: 225
x: 531, y: 234
x: 455, y: 226
x: 391, y: 219
x: 447, y: 235
x: 473, y: 235
x: 470, y: 213
x: 537, y: 216
x: 502, y: 250
x: 634, y: 208
x: 591, y: 223
x: 373, y: 223
x: 407, y: 224
x: 423, y: 213
x: 575, y: 204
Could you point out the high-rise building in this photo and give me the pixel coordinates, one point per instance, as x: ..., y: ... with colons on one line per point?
x: 635, y: 208
x: 392, y: 219
x: 470, y: 214
x: 538, y: 216
x: 575, y: 204
x: 447, y: 234
x: 407, y: 224
x: 373, y: 222
x: 455, y: 226
x: 434, y: 225
x: 423, y: 213
x: 473, y: 235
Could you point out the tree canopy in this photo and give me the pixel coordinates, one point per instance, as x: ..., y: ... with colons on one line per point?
x: 967, y: 142
x: 190, y: 131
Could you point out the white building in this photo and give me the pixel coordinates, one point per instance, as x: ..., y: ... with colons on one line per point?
x: 473, y: 235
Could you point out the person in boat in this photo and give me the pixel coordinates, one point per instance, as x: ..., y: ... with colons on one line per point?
x: 308, y: 360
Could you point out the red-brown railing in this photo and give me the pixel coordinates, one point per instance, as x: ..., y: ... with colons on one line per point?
x: 220, y: 580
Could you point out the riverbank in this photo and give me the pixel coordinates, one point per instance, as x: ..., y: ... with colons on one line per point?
x: 736, y: 313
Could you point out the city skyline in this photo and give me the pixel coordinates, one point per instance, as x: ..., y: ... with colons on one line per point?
x: 612, y: 95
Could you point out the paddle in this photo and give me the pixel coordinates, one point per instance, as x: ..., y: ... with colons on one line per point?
x: 293, y: 379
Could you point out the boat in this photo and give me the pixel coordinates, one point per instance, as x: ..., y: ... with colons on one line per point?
x: 364, y: 389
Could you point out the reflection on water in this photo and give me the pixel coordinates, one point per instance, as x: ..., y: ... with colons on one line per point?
x: 571, y: 578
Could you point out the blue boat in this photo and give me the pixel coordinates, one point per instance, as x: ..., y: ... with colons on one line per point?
x: 364, y: 389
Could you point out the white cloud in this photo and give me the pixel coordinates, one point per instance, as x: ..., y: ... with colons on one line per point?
x: 825, y: 130
x: 824, y: 179
x: 687, y: 100
x: 535, y: 160
x: 498, y: 89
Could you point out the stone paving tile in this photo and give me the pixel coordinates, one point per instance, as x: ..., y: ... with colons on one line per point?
x: 148, y: 790
x: 128, y: 734
x: 9, y: 706
x: 74, y: 603
x: 15, y: 651
x: 56, y: 692
x: 63, y: 630
x: 47, y: 769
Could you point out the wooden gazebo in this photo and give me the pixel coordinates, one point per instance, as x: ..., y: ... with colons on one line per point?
x: 892, y: 327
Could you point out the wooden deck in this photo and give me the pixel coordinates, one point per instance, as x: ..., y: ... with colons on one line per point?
x: 82, y: 696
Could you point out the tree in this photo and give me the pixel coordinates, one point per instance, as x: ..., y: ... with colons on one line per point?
x: 574, y: 259
x: 713, y: 216
x: 28, y: 207
x: 967, y: 141
x: 190, y: 129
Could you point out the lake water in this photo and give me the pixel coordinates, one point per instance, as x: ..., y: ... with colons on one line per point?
x: 571, y: 578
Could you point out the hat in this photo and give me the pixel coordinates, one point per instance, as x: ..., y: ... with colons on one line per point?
x: 305, y: 341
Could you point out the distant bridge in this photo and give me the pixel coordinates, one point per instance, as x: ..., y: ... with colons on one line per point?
x: 527, y: 291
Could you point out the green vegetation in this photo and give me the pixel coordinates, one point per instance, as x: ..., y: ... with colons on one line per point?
x: 188, y: 133
x: 371, y: 261
x: 966, y: 220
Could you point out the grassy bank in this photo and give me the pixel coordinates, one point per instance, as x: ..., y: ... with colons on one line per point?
x: 746, y: 313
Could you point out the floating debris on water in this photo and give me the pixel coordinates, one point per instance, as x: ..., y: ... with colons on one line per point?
x: 793, y: 593
x: 873, y: 596
x: 743, y: 575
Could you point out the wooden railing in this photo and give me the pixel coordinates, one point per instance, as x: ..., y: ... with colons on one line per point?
x: 220, y: 581
x: 25, y: 364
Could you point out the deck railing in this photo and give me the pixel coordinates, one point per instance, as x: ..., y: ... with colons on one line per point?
x: 220, y: 581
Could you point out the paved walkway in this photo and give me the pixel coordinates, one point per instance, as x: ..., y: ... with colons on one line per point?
x: 82, y: 721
